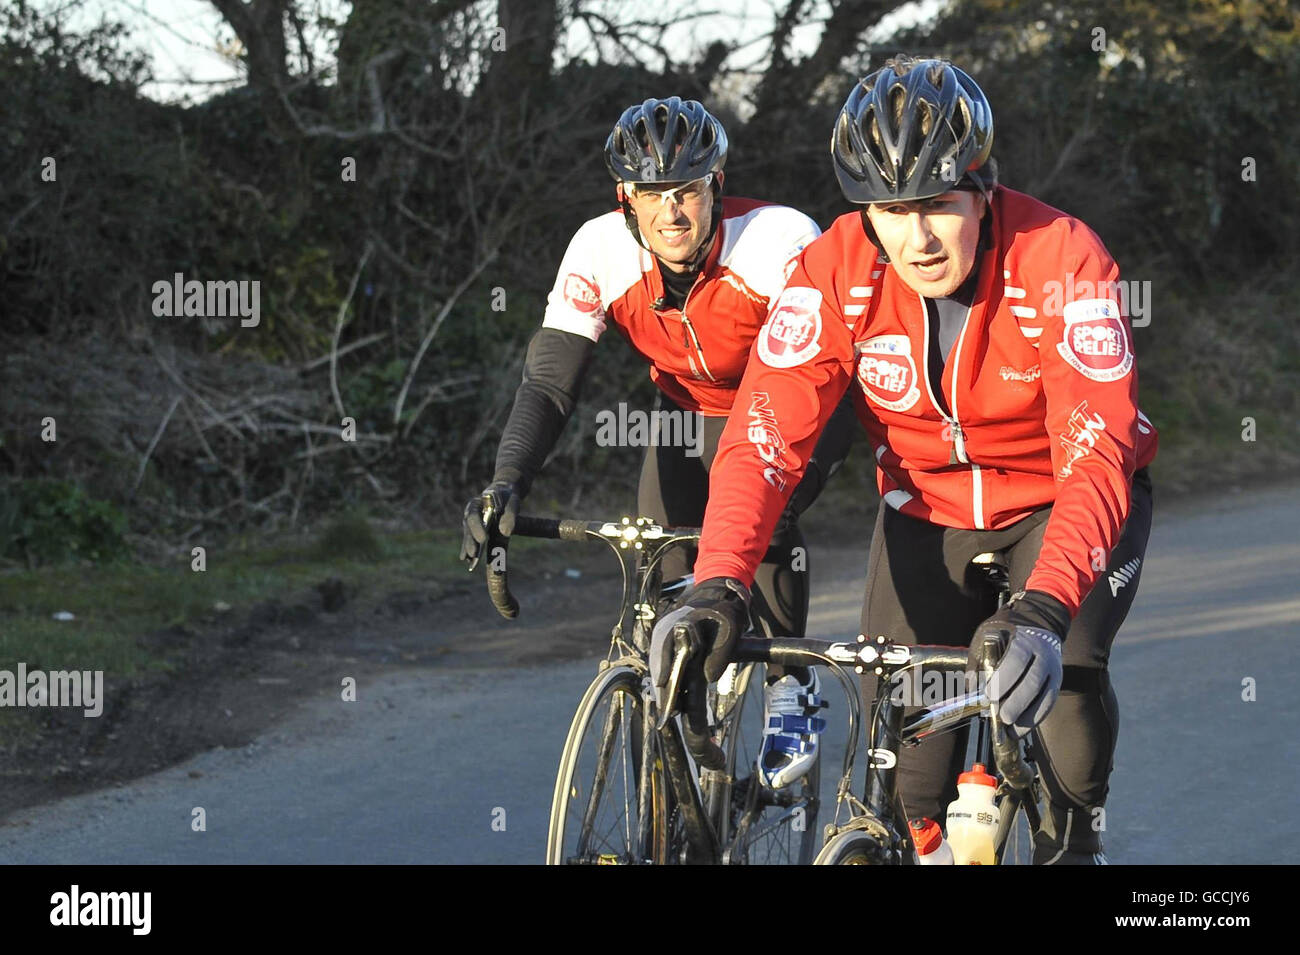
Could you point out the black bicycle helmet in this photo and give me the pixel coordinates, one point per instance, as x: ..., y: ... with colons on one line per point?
x: 912, y: 130
x: 665, y: 140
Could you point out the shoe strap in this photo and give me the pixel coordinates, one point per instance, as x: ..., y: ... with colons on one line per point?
x: 780, y: 724
x: 792, y: 745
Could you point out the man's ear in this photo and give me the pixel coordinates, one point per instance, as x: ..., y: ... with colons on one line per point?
x: 618, y: 189
x: 720, y: 176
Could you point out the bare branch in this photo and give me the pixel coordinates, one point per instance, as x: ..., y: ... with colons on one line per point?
x: 338, y: 330
x: 339, y: 352
x: 162, y: 426
x: 433, y: 330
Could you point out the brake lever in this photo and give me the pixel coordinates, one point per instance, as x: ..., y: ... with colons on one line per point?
x: 1005, y: 743
x: 683, y: 650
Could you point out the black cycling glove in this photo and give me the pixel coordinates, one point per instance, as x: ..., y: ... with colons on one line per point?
x: 491, y: 513
x: 1027, y: 679
x: 718, y: 611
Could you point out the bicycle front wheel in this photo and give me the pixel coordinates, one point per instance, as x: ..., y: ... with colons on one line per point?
x: 853, y: 847
x: 759, y: 826
x: 1015, y: 845
x: 606, y: 810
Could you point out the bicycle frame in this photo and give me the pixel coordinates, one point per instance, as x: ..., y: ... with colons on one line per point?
x: 879, y: 810
x: 642, y: 592
x: 641, y: 545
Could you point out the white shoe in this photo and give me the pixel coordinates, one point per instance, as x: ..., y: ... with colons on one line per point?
x: 790, y: 730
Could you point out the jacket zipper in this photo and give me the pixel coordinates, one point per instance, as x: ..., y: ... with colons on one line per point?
x: 954, y: 421
x: 689, y: 338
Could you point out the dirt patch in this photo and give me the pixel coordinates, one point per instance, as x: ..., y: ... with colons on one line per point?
x: 233, y: 678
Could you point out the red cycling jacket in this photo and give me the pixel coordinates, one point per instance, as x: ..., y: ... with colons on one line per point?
x: 1041, y: 386
x: 696, y: 354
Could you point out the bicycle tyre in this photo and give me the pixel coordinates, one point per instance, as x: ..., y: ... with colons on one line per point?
x: 774, y: 827
x: 853, y: 847
x: 1015, y: 845
x: 594, y: 809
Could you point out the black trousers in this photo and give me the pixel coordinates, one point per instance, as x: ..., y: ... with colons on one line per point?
x: 674, y: 490
x: 921, y: 589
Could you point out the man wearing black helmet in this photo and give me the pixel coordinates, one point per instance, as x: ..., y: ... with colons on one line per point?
x: 1003, y: 415
x: 686, y: 276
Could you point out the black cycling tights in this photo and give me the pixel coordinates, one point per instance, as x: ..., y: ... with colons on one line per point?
x: 674, y: 490
x: 921, y: 589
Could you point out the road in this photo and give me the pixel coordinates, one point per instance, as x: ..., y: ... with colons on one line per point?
x: 457, y: 765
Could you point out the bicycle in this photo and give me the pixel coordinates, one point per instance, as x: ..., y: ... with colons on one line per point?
x: 673, y: 811
x: 876, y: 830
x: 629, y: 790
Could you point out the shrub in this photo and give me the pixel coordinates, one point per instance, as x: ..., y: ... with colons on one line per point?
x: 48, y: 522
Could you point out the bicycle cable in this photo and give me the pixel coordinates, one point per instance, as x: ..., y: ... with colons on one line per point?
x: 622, y: 565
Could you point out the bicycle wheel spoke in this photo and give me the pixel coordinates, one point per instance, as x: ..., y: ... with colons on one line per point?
x: 595, y: 815
x: 762, y: 827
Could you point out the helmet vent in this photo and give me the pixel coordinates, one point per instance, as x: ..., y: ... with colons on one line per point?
x: 907, y: 128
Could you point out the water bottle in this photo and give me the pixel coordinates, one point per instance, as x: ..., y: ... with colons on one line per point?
x: 931, y: 847
x: 973, y: 819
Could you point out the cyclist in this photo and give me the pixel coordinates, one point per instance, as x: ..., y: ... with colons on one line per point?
x: 984, y: 339
x: 686, y: 276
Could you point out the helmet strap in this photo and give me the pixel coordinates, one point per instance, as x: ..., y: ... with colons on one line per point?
x: 870, y: 230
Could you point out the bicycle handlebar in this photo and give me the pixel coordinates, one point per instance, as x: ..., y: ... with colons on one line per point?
x: 863, y: 655
x: 626, y: 532
x: 554, y: 528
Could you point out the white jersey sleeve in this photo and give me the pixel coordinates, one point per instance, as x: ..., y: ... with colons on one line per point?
x: 600, y: 264
x: 762, y: 245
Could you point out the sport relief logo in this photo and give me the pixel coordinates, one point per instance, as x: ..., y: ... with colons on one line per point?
x: 887, y: 372
x: 791, y: 334
x: 1095, y: 343
x: 580, y: 294
x: 650, y: 429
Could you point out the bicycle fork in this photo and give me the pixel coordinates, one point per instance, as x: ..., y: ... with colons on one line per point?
x: 701, y: 841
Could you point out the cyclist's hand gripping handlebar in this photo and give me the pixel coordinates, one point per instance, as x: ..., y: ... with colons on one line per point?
x: 1006, y: 748
x: 684, y: 643
x: 498, y: 580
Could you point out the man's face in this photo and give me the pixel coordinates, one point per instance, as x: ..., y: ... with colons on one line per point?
x: 674, y: 217
x: 930, y: 242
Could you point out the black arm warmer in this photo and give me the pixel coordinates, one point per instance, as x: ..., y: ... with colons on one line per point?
x: 553, y: 372
x: 832, y: 448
